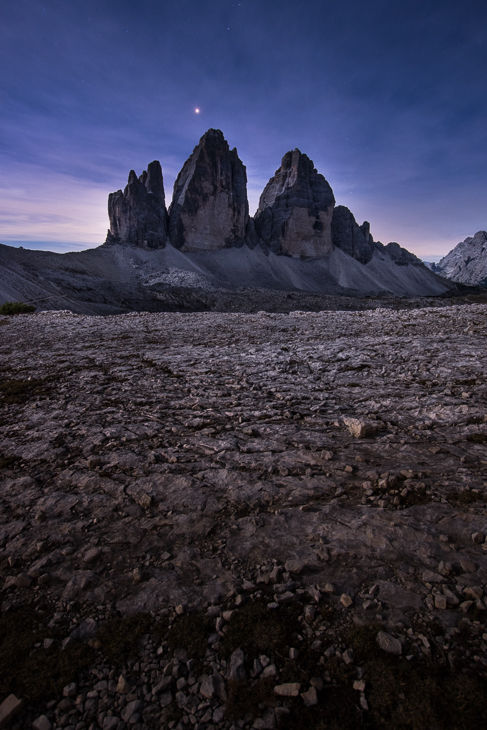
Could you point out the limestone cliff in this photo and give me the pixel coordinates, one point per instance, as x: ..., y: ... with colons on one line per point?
x: 209, y: 210
x: 467, y: 262
x: 350, y: 237
x: 138, y: 214
x: 295, y: 210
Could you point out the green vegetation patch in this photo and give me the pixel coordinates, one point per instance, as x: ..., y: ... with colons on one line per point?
x: 119, y: 637
x: 26, y: 668
x: 191, y: 632
x: 410, y: 697
x: 464, y: 498
x: 10, y: 308
x: 477, y: 438
x: 244, y: 697
x: 21, y: 391
x: 7, y: 462
x: 256, y: 629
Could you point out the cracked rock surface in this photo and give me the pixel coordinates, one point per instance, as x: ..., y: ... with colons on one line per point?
x: 172, y: 464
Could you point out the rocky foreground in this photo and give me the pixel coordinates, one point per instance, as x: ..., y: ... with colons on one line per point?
x: 234, y: 520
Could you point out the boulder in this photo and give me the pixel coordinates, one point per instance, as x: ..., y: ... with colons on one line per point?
x: 209, y: 209
x: 295, y: 210
x: 138, y: 214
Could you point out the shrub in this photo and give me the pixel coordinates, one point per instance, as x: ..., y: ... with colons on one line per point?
x: 16, y: 308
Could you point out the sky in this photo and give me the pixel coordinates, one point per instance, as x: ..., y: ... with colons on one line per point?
x: 387, y: 97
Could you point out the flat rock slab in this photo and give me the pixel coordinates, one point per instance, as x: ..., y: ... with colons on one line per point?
x: 156, y: 460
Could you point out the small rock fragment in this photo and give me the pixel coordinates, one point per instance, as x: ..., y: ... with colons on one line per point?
x: 389, y: 643
x: 91, y: 555
x: 23, y: 580
x: 310, y: 698
x: 290, y: 689
x: 208, y: 688
x: 236, y: 669
x: 346, y: 600
x: 70, y: 689
x: 137, y: 575
x: 42, y: 723
x: 440, y: 601
x: 359, y: 428
x: 123, y: 687
x: 309, y: 613
x: 9, y: 708
x: 294, y: 566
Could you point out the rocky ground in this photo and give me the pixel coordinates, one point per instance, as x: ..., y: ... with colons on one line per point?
x: 244, y: 520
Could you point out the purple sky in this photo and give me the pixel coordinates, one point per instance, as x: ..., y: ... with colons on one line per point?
x: 386, y: 96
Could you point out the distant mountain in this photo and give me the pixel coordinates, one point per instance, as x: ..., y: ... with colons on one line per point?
x: 206, y: 252
x: 467, y: 262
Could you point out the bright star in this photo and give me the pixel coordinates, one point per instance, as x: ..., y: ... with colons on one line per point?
x: 196, y: 111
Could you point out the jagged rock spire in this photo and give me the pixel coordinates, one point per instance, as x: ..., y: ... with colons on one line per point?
x: 295, y: 209
x: 138, y: 214
x: 209, y: 209
x: 350, y: 237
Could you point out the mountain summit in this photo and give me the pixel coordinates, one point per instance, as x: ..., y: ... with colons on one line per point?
x: 296, y: 216
x: 206, y: 253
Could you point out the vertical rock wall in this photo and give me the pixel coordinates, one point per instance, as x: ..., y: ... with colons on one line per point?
x: 138, y: 214
x: 209, y: 210
x: 295, y: 209
x: 350, y: 237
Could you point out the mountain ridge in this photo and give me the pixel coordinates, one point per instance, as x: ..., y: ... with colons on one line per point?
x: 206, y: 252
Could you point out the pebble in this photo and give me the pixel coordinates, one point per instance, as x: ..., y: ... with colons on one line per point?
x: 290, y: 689
x: 10, y: 706
x: 389, y: 643
x: 310, y: 698
x: 42, y: 723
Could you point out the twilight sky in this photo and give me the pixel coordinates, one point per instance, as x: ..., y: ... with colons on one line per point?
x: 387, y: 97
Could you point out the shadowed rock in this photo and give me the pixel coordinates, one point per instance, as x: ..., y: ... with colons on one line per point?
x: 350, y: 237
x: 138, y: 214
x: 399, y: 255
x: 295, y: 209
x: 209, y: 210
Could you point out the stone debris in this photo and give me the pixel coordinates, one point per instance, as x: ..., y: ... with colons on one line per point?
x: 9, y: 708
x: 389, y: 643
x: 290, y: 689
x: 176, y: 466
x: 42, y: 723
x: 310, y: 698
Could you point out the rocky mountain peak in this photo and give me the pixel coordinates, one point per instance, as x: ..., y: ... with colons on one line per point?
x: 350, y: 237
x: 138, y: 214
x: 209, y: 210
x: 295, y: 209
x: 467, y: 262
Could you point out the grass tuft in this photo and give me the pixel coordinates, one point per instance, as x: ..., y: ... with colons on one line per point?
x: 190, y: 632
x: 10, y: 308
x: 119, y: 637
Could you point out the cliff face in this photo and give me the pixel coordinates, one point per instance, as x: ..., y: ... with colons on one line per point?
x: 138, y: 214
x: 209, y: 210
x: 467, y: 262
x: 295, y: 210
x: 296, y: 217
x: 350, y: 237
